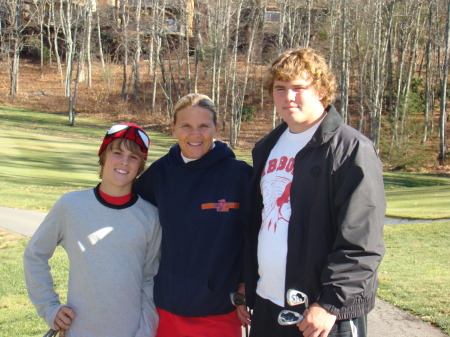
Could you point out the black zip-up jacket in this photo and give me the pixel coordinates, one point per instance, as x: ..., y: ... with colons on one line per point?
x: 335, y: 242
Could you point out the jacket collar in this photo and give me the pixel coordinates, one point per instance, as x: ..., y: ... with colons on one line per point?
x: 327, y: 128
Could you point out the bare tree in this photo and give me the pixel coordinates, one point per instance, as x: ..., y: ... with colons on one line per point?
x: 40, y: 15
x: 56, y: 22
x: 381, y: 36
x: 361, y: 59
x: 412, y: 63
x: 137, y: 50
x: 405, y: 33
x: 344, y: 80
x: 90, y: 5
x: 233, y: 71
x: 443, y: 113
x: 238, y: 102
x: 428, y: 99
x: 76, y: 22
x: 13, y: 39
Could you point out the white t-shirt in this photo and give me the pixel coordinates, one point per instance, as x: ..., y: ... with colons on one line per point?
x: 275, y: 184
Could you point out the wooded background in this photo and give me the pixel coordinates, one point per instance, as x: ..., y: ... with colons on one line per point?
x: 391, y: 57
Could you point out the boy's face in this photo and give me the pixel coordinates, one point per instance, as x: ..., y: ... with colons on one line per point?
x: 298, y: 103
x: 119, y: 171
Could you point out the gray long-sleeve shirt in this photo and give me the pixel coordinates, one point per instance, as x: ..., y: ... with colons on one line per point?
x: 113, y: 255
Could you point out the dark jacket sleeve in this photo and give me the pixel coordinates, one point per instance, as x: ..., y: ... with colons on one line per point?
x: 146, y: 185
x: 350, y: 275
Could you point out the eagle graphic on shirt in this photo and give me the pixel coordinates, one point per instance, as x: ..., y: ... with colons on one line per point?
x: 276, y: 189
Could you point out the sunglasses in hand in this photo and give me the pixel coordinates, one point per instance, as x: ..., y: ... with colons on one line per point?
x: 293, y: 298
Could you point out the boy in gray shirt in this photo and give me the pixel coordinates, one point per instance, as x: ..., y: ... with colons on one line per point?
x: 112, y: 238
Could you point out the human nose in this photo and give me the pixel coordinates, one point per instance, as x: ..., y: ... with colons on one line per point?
x: 291, y: 95
x: 195, y: 131
x: 125, y: 160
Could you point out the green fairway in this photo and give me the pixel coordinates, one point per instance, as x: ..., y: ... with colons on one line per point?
x: 417, y: 196
x: 42, y: 157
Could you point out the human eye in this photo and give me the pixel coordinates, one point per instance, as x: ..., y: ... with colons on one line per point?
x: 134, y: 157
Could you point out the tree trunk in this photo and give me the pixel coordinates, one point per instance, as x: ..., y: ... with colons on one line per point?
x: 137, y: 53
x: 99, y: 36
x: 233, y: 70
x: 88, y: 42
x: 344, y: 65
x: 443, y: 111
x: 240, y: 101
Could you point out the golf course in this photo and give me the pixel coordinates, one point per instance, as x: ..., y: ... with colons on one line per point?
x: 42, y: 158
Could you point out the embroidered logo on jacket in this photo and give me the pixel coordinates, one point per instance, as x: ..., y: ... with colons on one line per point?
x: 221, y: 206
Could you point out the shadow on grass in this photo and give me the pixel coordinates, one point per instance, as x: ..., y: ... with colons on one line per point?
x: 395, y: 180
x: 54, y: 124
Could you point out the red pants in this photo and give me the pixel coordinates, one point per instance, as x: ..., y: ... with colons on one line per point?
x: 171, y: 325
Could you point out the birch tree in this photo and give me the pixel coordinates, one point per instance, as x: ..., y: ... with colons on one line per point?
x: 13, y: 39
x: 444, y: 79
x: 238, y: 102
x: 429, y: 100
x: 381, y: 35
x: 233, y: 71
x: 344, y: 79
x: 137, y: 51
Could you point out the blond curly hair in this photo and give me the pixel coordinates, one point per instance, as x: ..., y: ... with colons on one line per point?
x: 294, y: 63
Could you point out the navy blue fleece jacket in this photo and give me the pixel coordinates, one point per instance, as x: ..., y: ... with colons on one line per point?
x: 202, y: 206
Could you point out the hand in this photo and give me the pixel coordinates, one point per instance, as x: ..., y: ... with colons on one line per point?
x: 64, y: 318
x: 316, y: 322
x: 243, y: 315
x: 241, y: 310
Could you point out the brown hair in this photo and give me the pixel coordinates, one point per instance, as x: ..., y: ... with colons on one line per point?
x: 293, y: 63
x: 130, y: 146
x: 195, y: 99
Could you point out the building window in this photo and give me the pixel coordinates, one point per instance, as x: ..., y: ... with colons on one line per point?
x: 172, y: 24
x: 272, y: 16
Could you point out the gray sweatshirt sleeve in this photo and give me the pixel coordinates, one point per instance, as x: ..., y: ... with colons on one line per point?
x: 38, y: 279
x: 149, y: 315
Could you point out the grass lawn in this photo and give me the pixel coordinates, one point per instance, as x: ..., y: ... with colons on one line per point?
x: 414, y: 276
x: 18, y: 316
x: 417, y: 196
x: 42, y: 158
x: 415, y: 272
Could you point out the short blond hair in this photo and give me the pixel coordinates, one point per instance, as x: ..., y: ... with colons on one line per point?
x: 293, y: 63
x: 195, y: 99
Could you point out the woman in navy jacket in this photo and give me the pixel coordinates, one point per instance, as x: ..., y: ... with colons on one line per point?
x: 200, y: 190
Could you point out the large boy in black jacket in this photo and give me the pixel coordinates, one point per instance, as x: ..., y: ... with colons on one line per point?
x: 317, y: 213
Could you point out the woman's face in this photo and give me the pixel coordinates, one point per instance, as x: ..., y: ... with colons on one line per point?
x: 195, y: 131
